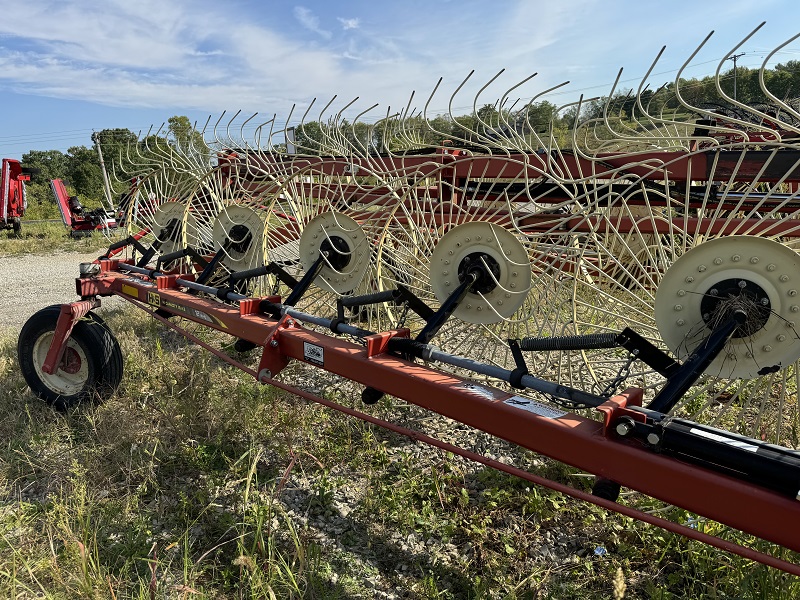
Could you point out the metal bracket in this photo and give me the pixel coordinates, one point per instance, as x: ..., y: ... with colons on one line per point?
x: 273, y: 361
x: 70, y: 314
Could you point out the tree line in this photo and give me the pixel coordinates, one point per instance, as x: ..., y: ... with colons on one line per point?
x: 80, y: 167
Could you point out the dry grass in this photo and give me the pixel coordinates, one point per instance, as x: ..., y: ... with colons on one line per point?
x: 194, y: 482
x: 41, y: 238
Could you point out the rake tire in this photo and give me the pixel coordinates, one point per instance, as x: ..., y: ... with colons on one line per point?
x: 92, y: 365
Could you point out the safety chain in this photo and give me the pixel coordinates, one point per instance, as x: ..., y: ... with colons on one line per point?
x: 622, y: 375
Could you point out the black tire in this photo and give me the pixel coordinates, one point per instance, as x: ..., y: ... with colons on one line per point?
x: 92, y: 365
x: 16, y: 225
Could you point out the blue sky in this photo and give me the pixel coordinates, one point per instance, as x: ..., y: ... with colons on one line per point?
x: 68, y: 68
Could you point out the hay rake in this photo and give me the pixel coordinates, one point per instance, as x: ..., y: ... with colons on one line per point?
x: 645, y: 271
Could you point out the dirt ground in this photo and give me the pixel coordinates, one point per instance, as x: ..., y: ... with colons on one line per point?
x: 30, y: 282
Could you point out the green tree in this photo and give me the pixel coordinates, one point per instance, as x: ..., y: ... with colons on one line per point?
x: 184, y: 135
x: 49, y: 164
x: 83, y: 172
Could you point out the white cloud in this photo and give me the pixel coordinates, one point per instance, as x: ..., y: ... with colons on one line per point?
x: 201, y: 55
x: 349, y: 23
x: 310, y: 21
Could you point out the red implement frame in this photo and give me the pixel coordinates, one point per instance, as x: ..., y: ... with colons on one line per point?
x: 563, y: 436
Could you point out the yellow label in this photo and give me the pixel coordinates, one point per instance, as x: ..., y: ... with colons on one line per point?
x: 130, y: 290
x: 153, y: 299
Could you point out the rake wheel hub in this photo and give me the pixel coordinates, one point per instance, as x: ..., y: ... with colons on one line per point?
x: 729, y: 295
x: 336, y: 251
x: 485, y: 267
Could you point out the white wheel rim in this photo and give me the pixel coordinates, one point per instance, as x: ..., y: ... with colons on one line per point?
x: 767, y: 264
x: 323, y: 228
x: 71, y: 375
x: 240, y: 258
x: 512, y: 283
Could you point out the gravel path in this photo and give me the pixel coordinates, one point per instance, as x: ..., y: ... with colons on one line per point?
x: 30, y: 282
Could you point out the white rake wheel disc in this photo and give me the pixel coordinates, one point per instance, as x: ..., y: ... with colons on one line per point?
x: 345, y: 268
x: 169, y: 227
x: 757, y: 274
x: 240, y: 231
x: 500, y: 253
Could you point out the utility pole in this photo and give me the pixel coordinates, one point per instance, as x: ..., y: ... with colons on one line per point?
x: 733, y: 58
x: 106, y: 184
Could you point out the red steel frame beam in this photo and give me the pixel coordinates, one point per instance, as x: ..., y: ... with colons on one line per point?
x: 568, y: 438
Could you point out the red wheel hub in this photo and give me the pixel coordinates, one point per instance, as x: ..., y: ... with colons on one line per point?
x: 71, y: 363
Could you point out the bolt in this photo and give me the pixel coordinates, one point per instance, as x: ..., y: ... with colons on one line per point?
x: 718, y: 261
x: 767, y: 348
x: 450, y: 253
x: 764, y: 301
x: 469, y: 305
x: 446, y: 284
x: 749, y: 354
x: 445, y: 273
x: 706, y: 316
x: 513, y: 285
x: 701, y: 268
x: 689, y: 279
x: 680, y: 322
x: 290, y: 322
x: 273, y: 343
x: 681, y: 293
x: 653, y: 438
x: 623, y: 428
x: 795, y: 308
x: 447, y: 262
x: 714, y: 291
x: 784, y: 278
x: 754, y: 260
x: 730, y: 356
x: 781, y: 338
x: 771, y: 267
x: 736, y: 258
x: 499, y: 303
x: 678, y: 307
x: 793, y: 292
x: 742, y: 284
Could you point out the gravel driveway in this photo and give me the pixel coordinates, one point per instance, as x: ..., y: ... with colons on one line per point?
x: 30, y: 282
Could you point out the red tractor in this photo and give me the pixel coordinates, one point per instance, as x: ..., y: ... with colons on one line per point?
x: 12, y: 194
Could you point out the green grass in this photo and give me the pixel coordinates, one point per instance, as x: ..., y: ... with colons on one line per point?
x: 193, y: 481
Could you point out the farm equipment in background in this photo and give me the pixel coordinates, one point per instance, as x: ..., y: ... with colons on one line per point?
x: 80, y: 221
x: 646, y: 274
x: 13, y: 201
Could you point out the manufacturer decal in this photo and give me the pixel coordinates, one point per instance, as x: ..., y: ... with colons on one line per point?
x: 474, y: 388
x: 130, y: 290
x: 534, y: 407
x: 192, y: 313
x: 314, y: 354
